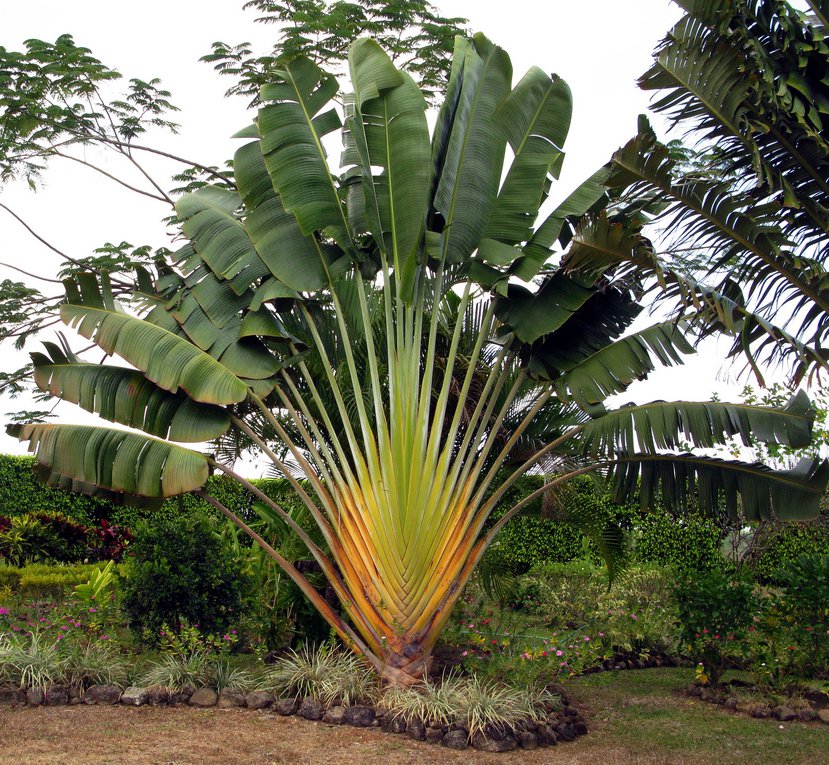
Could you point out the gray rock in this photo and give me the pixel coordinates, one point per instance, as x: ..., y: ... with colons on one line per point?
x: 334, y: 716
x: 259, y: 700
x: 102, y: 694
x: 807, y: 714
x: 730, y: 702
x: 433, y: 735
x: 822, y: 715
x: 229, y: 698
x: 157, y: 695
x: 204, y: 697
x: 783, y: 713
x: 547, y: 735
x: 527, y: 739
x: 455, y: 739
x: 182, y: 695
x: 16, y: 697
x: 694, y: 690
x: 484, y: 743
x: 310, y: 709
x: 762, y: 711
x: 134, y: 696
x: 392, y: 724
x: 706, y: 694
x: 416, y: 730
x: 359, y: 716
x: 35, y: 697
x: 57, y: 696
x: 567, y: 732
x: 288, y: 706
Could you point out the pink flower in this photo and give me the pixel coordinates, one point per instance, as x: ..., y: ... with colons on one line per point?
x: 586, y: 639
x: 93, y: 610
x: 464, y: 653
x: 4, y: 612
x: 559, y: 653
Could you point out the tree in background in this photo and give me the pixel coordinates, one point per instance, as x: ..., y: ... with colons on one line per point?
x: 335, y: 299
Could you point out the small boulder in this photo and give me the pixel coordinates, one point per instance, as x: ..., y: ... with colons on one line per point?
x: 230, y: 698
x: 433, y: 735
x: 761, y: 711
x: 822, y: 715
x: 259, y: 700
x: 527, y: 739
x: 807, y: 714
x: 416, y: 730
x: 16, y: 697
x: 134, y: 696
x: 334, y: 716
x: 455, y: 739
x: 730, y: 702
x: 158, y: 695
x: 706, y: 694
x: 288, y: 706
x: 547, y: 734
x: 204, y: 697
x: 567, y: 732
x: 359, y: 716
x: 484, y: 743
x: 105, y: 694
x: 57, y: 696
x: 35, y: 697
x: 310, y: 709
x: 783, y: 713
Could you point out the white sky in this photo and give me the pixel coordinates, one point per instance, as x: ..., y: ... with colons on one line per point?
x: 599, y: 46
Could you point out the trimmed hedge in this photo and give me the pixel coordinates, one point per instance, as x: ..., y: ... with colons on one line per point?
x: 44, y: 580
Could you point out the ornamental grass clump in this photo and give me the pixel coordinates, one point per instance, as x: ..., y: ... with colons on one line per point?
x: 330, y: 675
x: 175, y: 672
x: 95, y: 664
x: 31, y: 661
x: 223, y: 675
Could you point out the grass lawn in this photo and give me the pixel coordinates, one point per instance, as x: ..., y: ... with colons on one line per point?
x: 641, y: 717
x: 635, y: 717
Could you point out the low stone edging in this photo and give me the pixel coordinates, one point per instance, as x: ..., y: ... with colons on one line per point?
x: 564, y: 724
x: 818, y: 709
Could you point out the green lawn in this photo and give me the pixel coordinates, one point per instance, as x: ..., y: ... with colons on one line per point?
x: 641, y: 716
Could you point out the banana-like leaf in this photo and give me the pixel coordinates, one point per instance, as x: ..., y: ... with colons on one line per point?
x: 124, y: 395
x: 115, y: 460
x: 664, y: 425
x: 535, y: 117
x: 756, y: 491
x: 530, y: 315
x: 208, y: 220
x: 470, y: 169
x: 166, y: 359
x: 291, y: 256
x: 613, y: 368
x: 291, y: 133
x: 390, y: 132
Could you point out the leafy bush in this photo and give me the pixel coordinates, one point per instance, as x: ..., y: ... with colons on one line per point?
x: 716, y: 613
x: 789, y: 542
x: 38, y: 581
x: 687, y: 543
x: 181, y: 572
x: 31, y: 661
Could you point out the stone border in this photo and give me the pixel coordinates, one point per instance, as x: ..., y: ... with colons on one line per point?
x: 818, y: 709
x: 564, y: 724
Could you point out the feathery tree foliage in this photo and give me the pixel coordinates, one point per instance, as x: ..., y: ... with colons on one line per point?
x: 317, y: 314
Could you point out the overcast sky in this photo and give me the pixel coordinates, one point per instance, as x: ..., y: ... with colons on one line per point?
x: 599, y: 46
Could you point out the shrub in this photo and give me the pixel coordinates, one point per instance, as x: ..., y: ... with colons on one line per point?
x: 788, y: 543
x: 716, y: 612
x: 687, y: 543
x: 181, y: 572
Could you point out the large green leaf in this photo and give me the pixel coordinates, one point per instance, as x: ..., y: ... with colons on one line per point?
x: 166, y: 359
x: 664, y: 425
x: 291, y: 256
x: 291, y: 134
x: 209, y: 222
x: 535, y: 117
x: 613, y: 368
x: 124, y: 395
x: 471, y: 157
x: 390, y: 132
x: 116, y: 460
x: 749, y: 491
